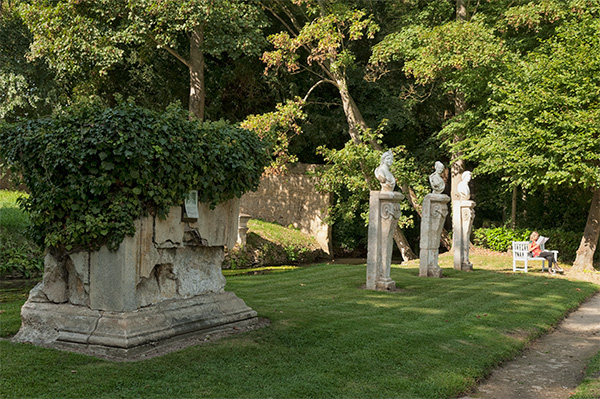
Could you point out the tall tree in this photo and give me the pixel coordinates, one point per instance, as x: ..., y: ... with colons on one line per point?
x: 317, y: 41
x: 91, y: 37
x: 26, y: 88
x: 542, y: 130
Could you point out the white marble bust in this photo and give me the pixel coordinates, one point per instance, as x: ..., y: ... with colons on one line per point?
x: 383, y: 174
x: 435, y: 179
x: 464, y: 192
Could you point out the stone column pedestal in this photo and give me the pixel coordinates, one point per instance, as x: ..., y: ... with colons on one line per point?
x: 435, y: 210
x: 384, y: 211
x: 462, y: 220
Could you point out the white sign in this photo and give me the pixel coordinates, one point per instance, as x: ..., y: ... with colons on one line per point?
x: 191, y: 205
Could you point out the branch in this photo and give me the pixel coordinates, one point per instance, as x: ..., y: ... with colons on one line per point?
x: 315, y: 85
x: 170, y: 50
x: 307, y: 69
x: 294, y: 33
x: 289, y: 14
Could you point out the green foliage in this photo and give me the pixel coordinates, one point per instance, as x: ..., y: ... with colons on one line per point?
x: 565, y: 242
x: 93, y: 171
x: 542, y: 130
x: 18, y: 256
x: 326, y: 39
x: 349, y: 178
x: 78, y: 35
x: 109, y: 47
x: 500, y: 238
x: 25, y: 87
x: 278, y: 127
x: 452, y: 51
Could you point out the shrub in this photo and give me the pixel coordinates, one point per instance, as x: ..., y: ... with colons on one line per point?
x: 93, y: 171
x: 499, y: 239
x: 565, y: 242
x: 18, y: 256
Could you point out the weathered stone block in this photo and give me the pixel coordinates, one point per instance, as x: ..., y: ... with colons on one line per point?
x: 434, y: 212
x: 163, y: 282
x: 384, y: 211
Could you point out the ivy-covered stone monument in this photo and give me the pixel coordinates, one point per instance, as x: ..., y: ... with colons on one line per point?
x: 134, y: 209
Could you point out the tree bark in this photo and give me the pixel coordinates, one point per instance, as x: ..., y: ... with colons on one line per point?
x: 513, y: 210
x: 461, y: 10
x: 403, y: 246
x: 197, y: 93
x: 591, y: 234
x: 353, y: 116
x: 458, y: 164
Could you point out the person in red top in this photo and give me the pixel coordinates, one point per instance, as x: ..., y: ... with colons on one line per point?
x: 535, y: 249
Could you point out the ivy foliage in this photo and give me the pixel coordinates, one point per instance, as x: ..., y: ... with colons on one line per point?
x: 92, y: 172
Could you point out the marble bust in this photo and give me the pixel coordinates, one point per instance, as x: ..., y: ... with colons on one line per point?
x: 464, y: 192
x: 383, y: 174
x: 435, y: 179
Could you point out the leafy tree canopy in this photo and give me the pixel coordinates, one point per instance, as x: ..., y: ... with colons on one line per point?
x: 542, y: 128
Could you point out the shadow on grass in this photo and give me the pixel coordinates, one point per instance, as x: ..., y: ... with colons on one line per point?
x: 435, y: 338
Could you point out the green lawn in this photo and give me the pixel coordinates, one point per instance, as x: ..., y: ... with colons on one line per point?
x: 434, y: 338
x: 590, y: 386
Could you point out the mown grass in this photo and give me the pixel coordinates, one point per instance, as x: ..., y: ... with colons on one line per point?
x: 433, y: 338
x: 590, y: 386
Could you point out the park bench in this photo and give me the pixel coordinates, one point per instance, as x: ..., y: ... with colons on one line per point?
x: 520, y: 250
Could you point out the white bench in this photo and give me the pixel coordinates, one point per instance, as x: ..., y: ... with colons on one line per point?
x: 520, y: 250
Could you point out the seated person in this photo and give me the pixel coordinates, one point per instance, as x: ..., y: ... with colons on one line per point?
x: 536, y: 251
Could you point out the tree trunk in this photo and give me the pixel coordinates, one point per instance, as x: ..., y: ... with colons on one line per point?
x: 513, y: 210
x: 353, y: 116
x: 461, y: 10
x: 591, y: 234
x: 197, y: 92
x: 355, y: 123
x: 403, y: 246
x: 458, y: 164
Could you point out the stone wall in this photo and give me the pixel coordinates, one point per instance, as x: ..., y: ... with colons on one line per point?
x: 292, y: 199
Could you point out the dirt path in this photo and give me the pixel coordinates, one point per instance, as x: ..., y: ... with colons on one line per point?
x: 552, y: 367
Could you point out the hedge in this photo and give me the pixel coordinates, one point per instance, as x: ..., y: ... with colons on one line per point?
x: 500, y: 239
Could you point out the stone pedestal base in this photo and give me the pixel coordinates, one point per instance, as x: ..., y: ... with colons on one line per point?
x: 123, y: 335
x: 462, y: 222
x: 385, y: 285
x: 384, y: 211
x: 435, y: 210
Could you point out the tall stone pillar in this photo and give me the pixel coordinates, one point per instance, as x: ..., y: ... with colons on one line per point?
x: 463, y: 213
x: 433, y: 216
x: 384, y: 212
x: 435, y: 210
